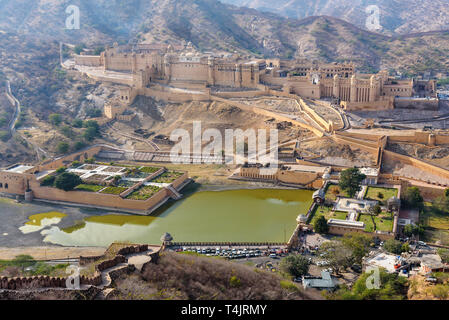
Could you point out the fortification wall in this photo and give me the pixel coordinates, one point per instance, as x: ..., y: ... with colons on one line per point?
x: 365, y: 146
x: 384, y: 104
x: 392, y: 156
x: 241, y: 94
x: 270, y: 114
x: 90, y: 61
x: 97, y: 199
x: 173, y: 96
x: 66, y: 160
x: 189, y: 71
x: 418, y: 104
x: 297, y: 177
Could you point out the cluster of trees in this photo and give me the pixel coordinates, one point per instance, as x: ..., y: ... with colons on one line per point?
x: 441, y: 204
x: 320, y: 225
x: 295, y: 265
x: 391, y: 287
x: 345, y: 252
x: 90, y: 132
x: 396, y: 247
x: 412, y: 198
x: 62, y: 180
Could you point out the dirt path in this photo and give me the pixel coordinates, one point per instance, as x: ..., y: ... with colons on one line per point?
x: 51, y: 252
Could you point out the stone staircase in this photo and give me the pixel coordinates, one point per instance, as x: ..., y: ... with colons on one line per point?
x: 175, y: 194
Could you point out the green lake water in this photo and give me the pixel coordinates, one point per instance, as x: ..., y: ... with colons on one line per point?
x: 256, y: 215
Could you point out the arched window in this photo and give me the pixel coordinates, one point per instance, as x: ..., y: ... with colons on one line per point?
x: 1, y: 185
x: 6, y: 186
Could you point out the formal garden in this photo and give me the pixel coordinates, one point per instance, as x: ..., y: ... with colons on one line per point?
x: 143, y: 193
x: 109, y: 179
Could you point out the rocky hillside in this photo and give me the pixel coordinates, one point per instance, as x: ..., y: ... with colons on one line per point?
x: 396, y: 16
x: 209, y: 24
x: 181, y: 276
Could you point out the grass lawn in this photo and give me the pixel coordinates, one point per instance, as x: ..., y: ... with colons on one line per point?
x: 373, y: 192
x: 383, y: 222
x: 327, y: 213
x: 333, y: 191
x: 143, y: 193
x: 114, y: 190
x: 341, y: 215
x: 369, y: 225
x: 89, y: 187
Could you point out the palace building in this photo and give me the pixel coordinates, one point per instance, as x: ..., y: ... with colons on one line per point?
x: 184, y: 67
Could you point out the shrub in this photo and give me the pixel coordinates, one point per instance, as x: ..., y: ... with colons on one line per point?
x: 48, y: 181
x: 76, y: 163
x: 67, y: 181
x: 60, y: 170
x: 77, y: 123
x: 320, y: 225
x: 79, y: 145
x: 55, y: 119
x: 62, y: 147
x: 393, y: 246
x: 235, y: 282
x: 288, y: 285
x: 4, y: 136
x: 295, y: 265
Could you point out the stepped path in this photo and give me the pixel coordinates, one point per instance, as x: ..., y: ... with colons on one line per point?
x: 136, y: 259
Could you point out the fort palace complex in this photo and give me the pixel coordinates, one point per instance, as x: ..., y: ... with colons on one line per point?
x: 145, y: 65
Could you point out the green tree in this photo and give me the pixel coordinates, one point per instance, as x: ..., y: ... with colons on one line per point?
x: 295, y: 265
x: 320, y: 225
x: 62, y: 147
x: 67, y: 181
x: 79, y: 48
x: 393, y: 246
x: 67, y: 131
x: 359, y: 244
x: 79, y: 145
x: 91, y: 124
x: 339, y: 256
x: 391, y: 287
x: 412, y: 198
x: 77, y: 123
x: 55, y: 119
x: 89, y: 134
x: 375, y: 210
x: 48, y: 181
x: 412, y: 229
x: 351, y: 181
x: 442, y: 203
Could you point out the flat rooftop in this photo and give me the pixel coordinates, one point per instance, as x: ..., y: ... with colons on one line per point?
x: 306, y: 168
x: 346, y: 223
x: 19, y: 168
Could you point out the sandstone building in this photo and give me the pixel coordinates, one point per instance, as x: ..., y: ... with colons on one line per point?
x: 183, y: 67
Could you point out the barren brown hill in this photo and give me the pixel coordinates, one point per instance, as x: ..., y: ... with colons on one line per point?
x: 396, y: 16
x: 181, y: 276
